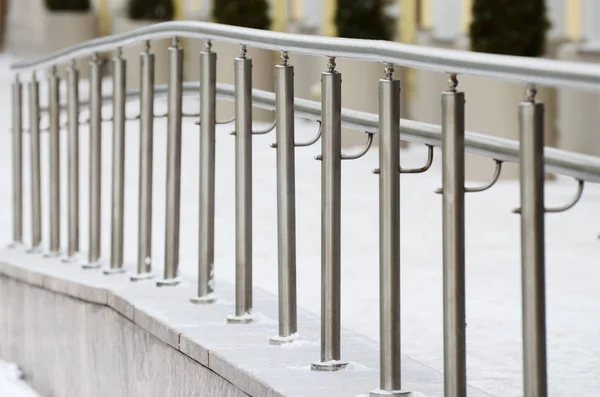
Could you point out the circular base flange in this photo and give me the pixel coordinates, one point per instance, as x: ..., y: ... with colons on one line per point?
x: 113, y: 270
x: 282, y: 340
x: 204, y: 300
x: 243, y: 319
x: 35, y: 250
x: 52, y: 254
x: 71, y: 259
x: 390, y: 393
x: 169, y: 282
x: 328, y: 366
x: 141, y: 276
x: 15, y: 245
x: 92, y: 265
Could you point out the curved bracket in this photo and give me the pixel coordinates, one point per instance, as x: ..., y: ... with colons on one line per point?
x: 230, y: 120
x: 261, y: 132
x: 362, y: 152
x: 422, y: 169
x: 495, y: 177
x: 190, y: 115
x: 314, y: 140
x: 136, y: 117
x: 566, y: 207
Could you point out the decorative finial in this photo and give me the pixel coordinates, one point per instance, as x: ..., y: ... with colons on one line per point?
x: 243, y: 51
x: 530, y: 92
x: 284, y: 58
x: 208, y: 45
x: 453, y: 82
x: 175, y: 42
x: 147, y: 49
x: 389, y: 71
x: 95, y: 57
x: 331, y: 64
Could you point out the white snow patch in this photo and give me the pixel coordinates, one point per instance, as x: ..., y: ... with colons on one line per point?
x: 12, y: 383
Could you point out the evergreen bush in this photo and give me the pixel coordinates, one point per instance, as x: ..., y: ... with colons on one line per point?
x: 68, y: 5
x: 154, y: 10
x: 510, y: 27
x: 245, y: 13
x: 363, y: 19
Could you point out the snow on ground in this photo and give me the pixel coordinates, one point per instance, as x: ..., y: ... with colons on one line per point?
x: 11, y: 384
x: 492, y: 237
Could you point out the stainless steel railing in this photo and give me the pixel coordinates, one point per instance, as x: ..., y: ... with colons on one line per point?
x: 450, y: 136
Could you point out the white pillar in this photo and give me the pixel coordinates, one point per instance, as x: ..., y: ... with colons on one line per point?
x: 591, y: 18
x: 447, y: 24
x: 556, y: 15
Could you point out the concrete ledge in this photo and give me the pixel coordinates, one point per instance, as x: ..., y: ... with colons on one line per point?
x: 77, y: 332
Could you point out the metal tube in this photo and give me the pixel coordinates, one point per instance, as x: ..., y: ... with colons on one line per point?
x: 144, y: 262
x: 286, y: 202
x: 208, y: 81
x: 34, y: 146
x: 175, y: 96
x: 531, y: 127
x: 331, y: 88
x: 73, y: 160
x: 118, y: 165
x: 54, y: 106
x: 95, y: 154
x: 17, y: 158
x: 243, y: 189
x: 453, y: 208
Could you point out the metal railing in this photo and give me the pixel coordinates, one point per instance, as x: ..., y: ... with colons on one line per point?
x: 450, y: 136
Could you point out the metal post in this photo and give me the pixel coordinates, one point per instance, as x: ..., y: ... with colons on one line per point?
x: 95, y: 154
x: 118, y: 166
x: 531, y: 128
x: 453, y: 207
x: 34, y: 146
x: 17, y: 157
x: 243, y: 189
x: 389, y: 237
x: 144, y: 263
x: 286, y: 201
x: 54, y: 107
x: 208, y: 81
x: 331, y: 141
x: 175, y: 96
x: 73, y: 161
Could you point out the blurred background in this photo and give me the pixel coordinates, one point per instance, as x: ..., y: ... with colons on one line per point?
x: 559, y: 29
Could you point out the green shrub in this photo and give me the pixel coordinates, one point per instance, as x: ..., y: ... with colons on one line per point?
x: 363, y: 19
x: 511, y: 27
x: 245, y: 13
x: 155, y: 10
x: 68, y: 5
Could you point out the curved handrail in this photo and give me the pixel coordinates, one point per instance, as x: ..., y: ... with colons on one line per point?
x: 530, y: 70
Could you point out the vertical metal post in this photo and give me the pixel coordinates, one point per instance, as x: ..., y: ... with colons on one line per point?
x: 175, y: 96
x: 118, y: 165
x: 95, y: 154
x: 144, y: 261
x: 34, y: 146
x: 331, y: 141
x: 73, y: 161
x: 453, y: 208
x: 243, y: 189
x: 286, y: 201
x: 531, y: 129
x: 389, y: 237
x: 208, y: 81
x: 17, y: 158
x: 54, y: 108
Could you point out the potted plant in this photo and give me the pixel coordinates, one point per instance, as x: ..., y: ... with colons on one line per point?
x: 69, y: 22
x: 359, y: 19
x: 510, y: 28
x: 137, y: 14
x: 250, y: 14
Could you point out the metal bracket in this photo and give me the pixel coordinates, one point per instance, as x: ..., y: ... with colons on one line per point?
x: 230, y: 120
x: 309, y: 143
x: 495, y: 177
x: 566, y: 207
x: 261, y: 132
x: 362, y: 152
x: 426, y: 167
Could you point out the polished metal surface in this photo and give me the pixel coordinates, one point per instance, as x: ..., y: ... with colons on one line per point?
x: 54, y: 165
x: 523, y: 69
x: 208, y: 81
x: 331, y: 178
x: 119, y: 69
x: 173, y: 188
x: 73, y: 160
x: 453, y: 242
x: 389, y: 237
x: 243, y: 189
x: 17, y: 161
x: 286, y: 200
x: 531, y: 126
x: 34, y: 156
x: 144, y: 259
x: 95, y: 171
